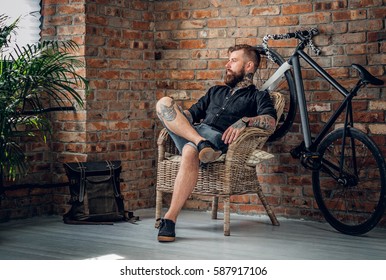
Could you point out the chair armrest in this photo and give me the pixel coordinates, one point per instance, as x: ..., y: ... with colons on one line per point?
x: 163, y: 137
x: 165, y: 145
x: 249, y: 140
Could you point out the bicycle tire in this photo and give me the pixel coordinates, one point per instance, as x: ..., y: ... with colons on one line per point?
x: 356, y: 208
x: 287, y: 87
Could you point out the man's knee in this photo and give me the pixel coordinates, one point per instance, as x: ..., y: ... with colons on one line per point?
x: 166, y: 110
x: 189, y: 153
x: 165, y: 101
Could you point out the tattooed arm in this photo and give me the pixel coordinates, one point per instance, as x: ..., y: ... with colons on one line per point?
x: 265, y: 122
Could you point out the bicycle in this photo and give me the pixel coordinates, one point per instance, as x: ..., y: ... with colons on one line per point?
x: 348, y: 169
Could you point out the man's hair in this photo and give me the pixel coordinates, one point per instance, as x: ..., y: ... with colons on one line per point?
x: 250, y: 53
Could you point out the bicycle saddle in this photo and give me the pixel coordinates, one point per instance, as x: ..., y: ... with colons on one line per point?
x: 366, y: 77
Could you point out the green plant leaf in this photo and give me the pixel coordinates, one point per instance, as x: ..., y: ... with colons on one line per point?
x: 32, y: 78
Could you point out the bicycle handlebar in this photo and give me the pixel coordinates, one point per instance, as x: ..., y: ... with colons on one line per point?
x: 305, y: 36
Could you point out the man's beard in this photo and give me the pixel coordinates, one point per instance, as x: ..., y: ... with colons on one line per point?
x: 232, y: 78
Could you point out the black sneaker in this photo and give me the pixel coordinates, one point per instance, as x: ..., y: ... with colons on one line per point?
x: 207, y: 152
x: 166, y: 231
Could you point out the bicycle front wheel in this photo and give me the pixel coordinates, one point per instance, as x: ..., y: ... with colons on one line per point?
x: 350, y: 188
x: 286, y: 87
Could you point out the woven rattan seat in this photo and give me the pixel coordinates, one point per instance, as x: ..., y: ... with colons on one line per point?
x: 234, y: 175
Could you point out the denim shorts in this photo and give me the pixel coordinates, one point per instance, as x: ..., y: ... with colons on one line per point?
x: 206, y: 131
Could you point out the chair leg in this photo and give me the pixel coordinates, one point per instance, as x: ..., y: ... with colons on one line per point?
x: 158, y: 208
x: 214, y: 207
x: 267, y: 207
x: 227, y: 216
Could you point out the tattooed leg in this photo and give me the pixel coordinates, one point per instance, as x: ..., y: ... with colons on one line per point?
x: 176, y: 121
x: 167, y: 112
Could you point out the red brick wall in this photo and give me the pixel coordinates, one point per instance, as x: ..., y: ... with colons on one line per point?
x: 192, y: 38
x: 66, y: 20
x: 116, y: 42
x: 139, y: 51
x: 120, y: 117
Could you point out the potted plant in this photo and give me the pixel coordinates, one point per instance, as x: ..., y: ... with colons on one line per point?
x: 34, y: 80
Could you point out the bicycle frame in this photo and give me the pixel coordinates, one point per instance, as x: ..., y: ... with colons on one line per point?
x: 294, y: 63
x: 354, y: 203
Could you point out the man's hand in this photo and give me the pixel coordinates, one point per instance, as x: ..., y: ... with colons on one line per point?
x: 233, y: 132
x: 265, y: 122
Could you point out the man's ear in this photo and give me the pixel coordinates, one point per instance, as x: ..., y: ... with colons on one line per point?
x: 249, y: 66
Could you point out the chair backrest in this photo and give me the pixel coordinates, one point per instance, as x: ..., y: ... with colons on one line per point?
x: 278, y: 101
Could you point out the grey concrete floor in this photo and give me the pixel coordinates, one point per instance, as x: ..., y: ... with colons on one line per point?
x: 198, y: 238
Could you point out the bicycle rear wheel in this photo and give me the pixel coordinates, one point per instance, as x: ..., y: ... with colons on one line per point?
x: 286, y: 87
x: 352, y: 198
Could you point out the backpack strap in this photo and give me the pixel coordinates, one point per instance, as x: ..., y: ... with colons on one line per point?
x: 110, y: 165
x: 82, y: 183
x: 127, y: 215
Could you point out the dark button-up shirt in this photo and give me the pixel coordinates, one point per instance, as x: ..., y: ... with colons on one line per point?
x: 220, y: 109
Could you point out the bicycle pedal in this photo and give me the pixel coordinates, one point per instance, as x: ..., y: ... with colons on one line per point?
x: 298, y: 151
x: 310, y: 160
x: 312, y: 155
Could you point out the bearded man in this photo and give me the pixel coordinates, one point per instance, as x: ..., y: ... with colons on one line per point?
x: 204, y: 131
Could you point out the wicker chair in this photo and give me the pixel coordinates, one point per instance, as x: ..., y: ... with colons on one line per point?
x: 233, y: 174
